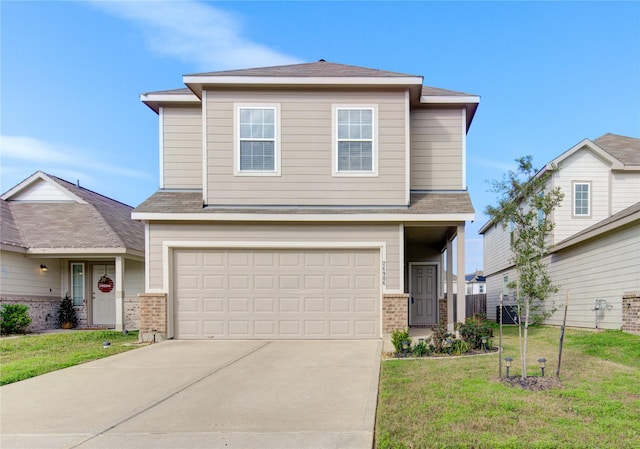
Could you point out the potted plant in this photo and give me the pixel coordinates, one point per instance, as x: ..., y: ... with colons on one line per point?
x: 67, y: 317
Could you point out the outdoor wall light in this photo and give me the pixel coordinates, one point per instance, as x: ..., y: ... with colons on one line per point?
x: 507, y: 363
x: 542, y: 362
x: 43, y: 268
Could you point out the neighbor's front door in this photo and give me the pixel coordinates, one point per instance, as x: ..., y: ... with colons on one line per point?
x: 103, y: 294
x: 424, y: 295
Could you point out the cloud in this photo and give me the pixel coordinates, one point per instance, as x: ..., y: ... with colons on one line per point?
x: 27, y: 154
x: 196, y: 32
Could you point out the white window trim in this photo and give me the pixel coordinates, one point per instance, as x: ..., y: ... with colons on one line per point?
x: 236, y: 140
x: 573, y: 199
x: 374, y: 141
x: 84, y: 282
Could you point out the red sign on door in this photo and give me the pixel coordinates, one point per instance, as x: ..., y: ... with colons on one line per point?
x: 105, y: 284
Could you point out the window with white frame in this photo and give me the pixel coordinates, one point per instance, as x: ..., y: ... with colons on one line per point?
x: 581, y: 199
x: 257, y: 142
x: 77, y: 283
x: 355, y: 140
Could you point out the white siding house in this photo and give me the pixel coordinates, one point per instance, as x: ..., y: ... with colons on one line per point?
x: 595, y: 255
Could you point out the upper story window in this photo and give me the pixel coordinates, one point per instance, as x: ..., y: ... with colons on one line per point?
x: 581, y: 199
x: 258, y: 140
x: 355, y: 152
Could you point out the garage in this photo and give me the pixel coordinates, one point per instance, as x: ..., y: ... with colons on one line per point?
x: 276, y: 293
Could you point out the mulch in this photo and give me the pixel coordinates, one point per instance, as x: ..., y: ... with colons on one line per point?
x: 533, y: 383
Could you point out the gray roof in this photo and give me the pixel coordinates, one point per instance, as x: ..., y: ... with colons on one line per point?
x: 437, y: 92
x: 625, y: 149
x: 181, y: 202
x: 100, y: 223
x: 320, y: 68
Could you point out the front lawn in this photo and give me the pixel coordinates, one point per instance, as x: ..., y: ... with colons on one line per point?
x: 461, y: 403
x: 32, y: 355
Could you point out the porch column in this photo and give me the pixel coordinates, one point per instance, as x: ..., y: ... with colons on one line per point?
x: 450, y: 284
x: 462, y: 303
x: 119, y: 293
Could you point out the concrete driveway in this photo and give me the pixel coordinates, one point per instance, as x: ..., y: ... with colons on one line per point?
x: 202, y: 394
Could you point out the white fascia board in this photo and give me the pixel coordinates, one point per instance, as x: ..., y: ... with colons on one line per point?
x: 449, y: 99
x: 398, y: 218
x: 40, y: 175
x: 186, y: 97
x: 297, y: 81
x: 586, y: 143
x: 96, y: 252
x: 154, y: 100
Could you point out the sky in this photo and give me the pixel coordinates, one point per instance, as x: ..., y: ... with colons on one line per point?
x: 549, y: 74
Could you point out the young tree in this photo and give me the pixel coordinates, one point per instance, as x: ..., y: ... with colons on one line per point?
x: 526, y: 202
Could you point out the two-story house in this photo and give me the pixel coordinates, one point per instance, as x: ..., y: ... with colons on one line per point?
x: 305, y: 201
x: 595, y: 255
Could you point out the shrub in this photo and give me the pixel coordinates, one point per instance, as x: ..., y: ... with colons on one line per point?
x: 398, y: 337
x: 473, y: 329
x: 66, y: 312
x: 421, y: 349
x: 459, y: 347
x: 440, y: 339
x: 14, y: 318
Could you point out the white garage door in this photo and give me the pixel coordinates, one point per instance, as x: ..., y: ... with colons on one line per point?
x: 272, y: 294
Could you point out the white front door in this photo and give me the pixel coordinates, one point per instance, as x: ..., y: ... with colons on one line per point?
x: 424, y: 295
x: 103, y: 294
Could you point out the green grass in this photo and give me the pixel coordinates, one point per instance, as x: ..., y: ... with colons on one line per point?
x: 461, y: 403
x: 31, y: 355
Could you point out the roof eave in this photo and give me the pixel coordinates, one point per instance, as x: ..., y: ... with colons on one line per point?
x: 275, y: 217
x: 196, y: 82
x: 155, y: 100
x: 85, y: 252
x: 470, y: 102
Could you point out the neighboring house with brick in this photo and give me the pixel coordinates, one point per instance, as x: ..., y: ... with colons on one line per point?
x: 58, y: 238
x: 595, y: 253
x: 305, y: 201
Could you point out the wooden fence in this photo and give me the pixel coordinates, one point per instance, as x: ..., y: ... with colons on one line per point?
x: 474, y: 304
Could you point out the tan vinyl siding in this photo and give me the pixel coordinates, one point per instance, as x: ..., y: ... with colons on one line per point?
x: 495, y: 283
x: 22, y: 276
x: 603, y: 268
x: 496, y: 249
x: 582, y: 166
x: 625, y: 190
x: 133, y: 278
x: 436, y: 149
x: 239, y: 232
x: 306, y: 151
x: 182, y: 147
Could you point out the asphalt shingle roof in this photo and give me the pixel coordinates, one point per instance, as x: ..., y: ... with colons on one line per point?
x: 101, y: 223
x: 625, y: 149
x: 176, y: 202
x: 311, y: 69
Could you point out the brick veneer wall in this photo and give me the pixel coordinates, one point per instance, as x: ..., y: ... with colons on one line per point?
x: 395, y: 312
x: 131, y: 313
x: 631, y: 312
x: 43, y: 310
x: 442, y: 304
x: 152, y: 313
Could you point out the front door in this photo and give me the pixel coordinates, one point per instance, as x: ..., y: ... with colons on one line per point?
x: 103, y: 294
x: 424, y: 295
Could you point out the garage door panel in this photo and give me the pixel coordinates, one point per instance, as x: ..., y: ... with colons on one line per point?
x: 277, y: 293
